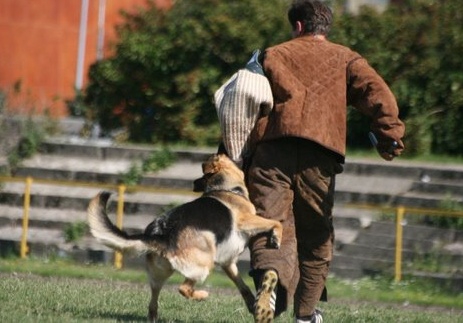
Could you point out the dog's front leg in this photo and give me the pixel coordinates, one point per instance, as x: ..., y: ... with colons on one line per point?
x: 232, y: 271
x: 277, y: 234
x: 253, y: 224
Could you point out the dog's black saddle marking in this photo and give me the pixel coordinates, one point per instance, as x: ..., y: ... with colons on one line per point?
x: 205, y: 213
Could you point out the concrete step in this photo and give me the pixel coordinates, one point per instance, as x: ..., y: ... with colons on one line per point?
x: 351, y: 216
x: 51, y: 222
x: 373, y: 249
x: 40, y: 241
x: 352, y: 258
x: 77, y: 198
x: 361, y: 260
x: 408, y: 199
x: 417, y: 239
x: 404, y: 169
x: 364, y: 181
x: 104, y: 149
x: 86, y: 250
x: 366, y: 190
x: 358, y: 267
x: 408, y: 242
x: 49, y: 242
x: 40, y: 217
x: 59, y: 219
x: 347, y: 261
x: 418, y: 232
x: 181, y: 174
x: 427, y: 200
x: 360, y: 246
x: 376, y: 251
x: 355, y: 253
x: 453, y: 187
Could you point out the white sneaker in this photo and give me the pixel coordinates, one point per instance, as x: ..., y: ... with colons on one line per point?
x: 264, y: 308
x: 315, y: 318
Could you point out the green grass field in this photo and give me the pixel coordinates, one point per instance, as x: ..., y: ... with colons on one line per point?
x: 61, y: 291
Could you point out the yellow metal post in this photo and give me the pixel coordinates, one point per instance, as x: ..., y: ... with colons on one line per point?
x: 119, y: 220
x: 399, y: 243
x: 27, y: 201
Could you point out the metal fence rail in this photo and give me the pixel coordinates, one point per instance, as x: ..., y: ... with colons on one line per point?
x: 400, y: 212
x: 120, y: 188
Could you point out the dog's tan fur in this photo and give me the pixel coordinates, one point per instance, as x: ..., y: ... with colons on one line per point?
x: 196, y: 249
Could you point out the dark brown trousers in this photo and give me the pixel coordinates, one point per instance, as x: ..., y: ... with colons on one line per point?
x: 292, y: 180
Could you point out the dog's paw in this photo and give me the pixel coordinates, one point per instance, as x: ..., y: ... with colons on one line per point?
x: 200, y: 295
x: 274, y: 242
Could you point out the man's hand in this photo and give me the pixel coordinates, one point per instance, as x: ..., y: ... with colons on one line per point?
x: 387, y: 156
x: 388, y: 152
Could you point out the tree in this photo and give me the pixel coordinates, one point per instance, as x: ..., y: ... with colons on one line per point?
x: 416, y: 47
x: 167, y: 66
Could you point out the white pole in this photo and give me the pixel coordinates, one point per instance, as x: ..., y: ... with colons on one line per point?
x: 101, y: 30
x: 81, y: 45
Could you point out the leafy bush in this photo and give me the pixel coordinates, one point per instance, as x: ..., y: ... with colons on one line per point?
x: 2, y: 101
x: 157, y: 160
x: 75, y: 231
x: 446, y: 222
x: 167, y: 66
x: 32, y: 135
x: 415, y: 46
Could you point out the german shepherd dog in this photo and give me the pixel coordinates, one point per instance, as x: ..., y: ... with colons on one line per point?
x: 192, y: 238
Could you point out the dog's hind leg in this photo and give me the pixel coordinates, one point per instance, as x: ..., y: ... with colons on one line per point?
x: 159, y: 270
x: 187, y: 290
x: 232, y: 272
x: 194, y: 262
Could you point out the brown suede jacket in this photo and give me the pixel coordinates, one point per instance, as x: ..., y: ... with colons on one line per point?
x: 313, y: 81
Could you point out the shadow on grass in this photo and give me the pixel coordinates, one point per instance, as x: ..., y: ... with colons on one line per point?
x: 119, y: 317
x: 136, y: 318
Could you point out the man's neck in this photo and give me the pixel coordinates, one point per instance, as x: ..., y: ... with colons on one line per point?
x: 321, y: 37
x: 317, y: 36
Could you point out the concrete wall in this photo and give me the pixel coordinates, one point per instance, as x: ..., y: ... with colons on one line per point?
x: 39, y: 48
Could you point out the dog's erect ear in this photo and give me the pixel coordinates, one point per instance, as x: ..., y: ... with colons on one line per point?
x: 213, y: 164
x: 199, y: 185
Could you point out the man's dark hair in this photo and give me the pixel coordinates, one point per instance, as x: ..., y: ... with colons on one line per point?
x: 315, y: 15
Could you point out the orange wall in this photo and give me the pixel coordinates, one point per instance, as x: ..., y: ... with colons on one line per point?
x: 38, y: 49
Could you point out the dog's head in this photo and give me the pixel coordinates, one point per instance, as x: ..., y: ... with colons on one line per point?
x: 219, y: 173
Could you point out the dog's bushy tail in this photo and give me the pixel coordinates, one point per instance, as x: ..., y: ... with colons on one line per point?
x: 106, y: 232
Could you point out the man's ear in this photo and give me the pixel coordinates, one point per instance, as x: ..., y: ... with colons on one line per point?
x: 299, y: 30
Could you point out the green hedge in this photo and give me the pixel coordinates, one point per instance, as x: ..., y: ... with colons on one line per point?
x: 417, y: 48
x: 167, y: 65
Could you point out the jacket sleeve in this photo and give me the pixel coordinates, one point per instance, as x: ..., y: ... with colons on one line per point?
x: 370, y: 94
